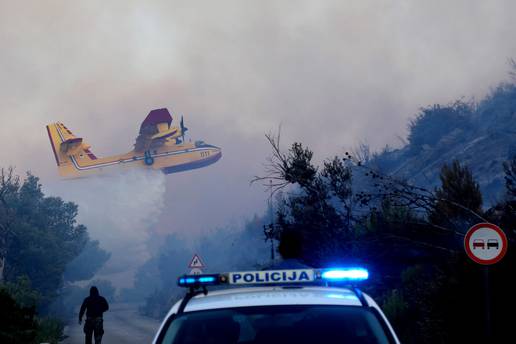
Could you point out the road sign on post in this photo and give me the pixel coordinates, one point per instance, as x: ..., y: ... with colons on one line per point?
x: 485, y: 243
x: 195, y: 271
x: 196, y: 262
x: 196, y: 265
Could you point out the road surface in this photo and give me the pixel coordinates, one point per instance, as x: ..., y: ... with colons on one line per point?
x: 122, y: 324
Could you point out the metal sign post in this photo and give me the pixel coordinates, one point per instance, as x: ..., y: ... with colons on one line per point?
x: 2, y: 264
x: 487, y: 300
x: 486, y: 244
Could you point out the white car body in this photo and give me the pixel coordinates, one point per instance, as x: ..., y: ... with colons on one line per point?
x: 274, y: 296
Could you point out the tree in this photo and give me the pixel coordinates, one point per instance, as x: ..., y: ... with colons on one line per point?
x: 434, y: 122
x: 87, y: 263
x: 9, y: 184
x: 458, y: 187
x: 318, y: 212
x: 510, y: 178
x: 447, y: 209
x: 18, y: 322
x: 504, y: 213
x: 39, y: 235
x: 290, y: 244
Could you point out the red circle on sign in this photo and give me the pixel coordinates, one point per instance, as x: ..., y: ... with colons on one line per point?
x: 497, y: 229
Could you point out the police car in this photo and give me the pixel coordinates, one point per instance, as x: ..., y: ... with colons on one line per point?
x: 276, y: 306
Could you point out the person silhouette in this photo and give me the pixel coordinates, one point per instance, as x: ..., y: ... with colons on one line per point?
x: 94, y: 306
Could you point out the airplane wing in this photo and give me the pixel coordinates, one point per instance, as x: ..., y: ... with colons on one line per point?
x: 155, y: 130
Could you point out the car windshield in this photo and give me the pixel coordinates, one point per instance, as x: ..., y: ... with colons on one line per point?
x: 298, y: 324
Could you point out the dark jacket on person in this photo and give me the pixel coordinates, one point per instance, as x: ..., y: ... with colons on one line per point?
x: 94, y: 305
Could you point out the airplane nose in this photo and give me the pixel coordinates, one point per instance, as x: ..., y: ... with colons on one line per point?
x: 217, y: 152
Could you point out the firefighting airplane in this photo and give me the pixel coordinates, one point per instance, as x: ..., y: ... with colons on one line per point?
x: 159, y: 146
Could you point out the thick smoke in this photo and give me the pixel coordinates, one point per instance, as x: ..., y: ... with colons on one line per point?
x: 231, y: 248
x: 120, y: 211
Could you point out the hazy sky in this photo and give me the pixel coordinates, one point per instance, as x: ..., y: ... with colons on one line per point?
x: 331, y: 72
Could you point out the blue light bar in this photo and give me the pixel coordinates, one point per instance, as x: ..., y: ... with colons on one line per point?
x: 207, y: 279
x: 276, y: 277
x: 198, y: 280
x: 345, y: 274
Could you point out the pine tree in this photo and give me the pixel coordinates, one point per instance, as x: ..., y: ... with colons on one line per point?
x: 458, y: 199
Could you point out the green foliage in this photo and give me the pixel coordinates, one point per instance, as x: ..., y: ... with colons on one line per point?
x: 435, y: 121
x: 146, y: 280
x: 458, y: 198
x: 18, y: 320
x: 291, y: 244
x: 504, y: 213
x: 338, y: 177
x: 172, y: 261
x: 420, y: 287
x: 394, y: 218
x: 498, y: 108
x: 39, y: 239
x: 298, y: 166
x: 222, y: 250
x: 319, y: 214
x: 510, y: 178
x: 87, y: 263
x: 21, y: 291
x: 50, y: 330
x: 18, y: 324
x: 409, y: 236
x: 42, y: 236
x: 68, y: 298
x: 395, y: 309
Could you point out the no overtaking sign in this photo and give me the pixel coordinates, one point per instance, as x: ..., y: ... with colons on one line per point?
x: 485, y: 243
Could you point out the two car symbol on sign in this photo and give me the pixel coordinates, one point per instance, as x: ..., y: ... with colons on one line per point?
x: 480, y: 243
x: 485, y: 243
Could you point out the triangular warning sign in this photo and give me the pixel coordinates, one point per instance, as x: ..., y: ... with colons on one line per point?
x: 196, y: 262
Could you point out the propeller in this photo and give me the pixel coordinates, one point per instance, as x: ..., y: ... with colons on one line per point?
x: 183, y: 129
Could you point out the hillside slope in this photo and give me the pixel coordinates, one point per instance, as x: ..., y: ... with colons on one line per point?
x: 481, y: 135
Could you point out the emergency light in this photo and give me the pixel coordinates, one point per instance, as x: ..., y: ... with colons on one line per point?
x: 351, y: 274
x: 198, y: 280
x: 276, y: 277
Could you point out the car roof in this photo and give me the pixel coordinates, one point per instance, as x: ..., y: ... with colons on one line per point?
x: 275, y: 295
x: 270, y: 296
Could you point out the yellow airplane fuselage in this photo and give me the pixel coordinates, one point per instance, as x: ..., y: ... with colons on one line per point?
x: 74, y: 160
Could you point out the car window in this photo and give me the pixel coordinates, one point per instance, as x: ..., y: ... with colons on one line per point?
x: 277, y: 324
